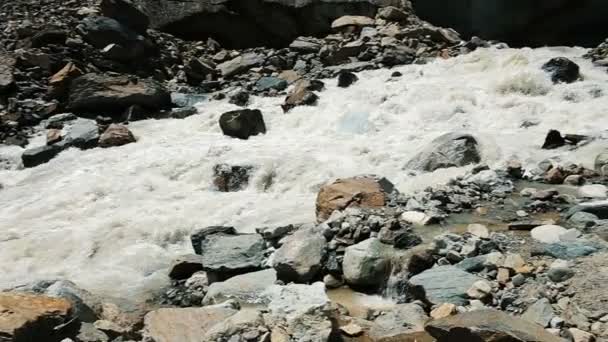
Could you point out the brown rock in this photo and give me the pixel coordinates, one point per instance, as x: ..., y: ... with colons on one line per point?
x: 7, y: 69
x: 555, y: 176
x: 364, y: 192
x: 487, y: 326
x: 53, y: 136
x: 184, y: 325
x: 116, y: 135
x: 27, y: 317
x: 302, y: 95
x: 581, y: 336
x: 290, y: 76
x: 60, y: 82
x: 503, y: 275
x: 444, y: 310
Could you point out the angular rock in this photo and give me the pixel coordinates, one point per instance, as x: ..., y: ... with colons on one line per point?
x: 116, y: 135
x: 595, y: 191
x: 445, y: 284
x: 245, y: 288
x: 184, y: 324
x: 199, y: 237
x: 39, y: 155
x: 302, y: 95
x: 352, y: 20
x: 268, y: 83
x: 562, y: 70
x: 225, y: 256
x: 185, y: 266
x: 480, y: 290
x: 227, y: 178
x: 94, y: 93
x: 355, y: 192
x: 7, y: 70
x: 346, y: 79
x: 27, y: 317
x: 487, y: 326
x: 553, y: 140
x: 444, y: 310
x: 367, y: 264
x: 199, y: 70
x: 242, y: 123
x: 548, y: 233
x: 83, y: 133
x: 391, y: 13
x: 59, y: 83
x: 85, y: 305
x: 560, y: 271
x: 127, y: 13
x: 448, y: 150
x: 245, y: 323
x: 540, y: 313
x: 240, y: 64
x: 301, y: 257
x: 239, y: 98
x: 53, y: 136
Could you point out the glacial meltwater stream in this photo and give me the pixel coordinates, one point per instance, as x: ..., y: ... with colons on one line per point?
x: 111, y: 220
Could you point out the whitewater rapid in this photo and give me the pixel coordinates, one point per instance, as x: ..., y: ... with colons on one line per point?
x: 111, y: 220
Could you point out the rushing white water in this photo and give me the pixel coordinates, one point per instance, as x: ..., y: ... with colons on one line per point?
x: 112, y: 219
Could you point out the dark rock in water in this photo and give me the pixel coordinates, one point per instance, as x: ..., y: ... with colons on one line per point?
x: 445, y: 284
x: 40, y: 155
x: 420, y: 262
x: 49, y: 37
x: 187, y: 100
x: 102, y: 31
x: 182, y: 113
x: 242, y: 123
x: 83, y: 134
x: 225, y: 256
x: 554, y: 140
x: 127, y: 13
x: 240, y: 98
x: 185, y: 266
x: 398, y: 56
x: 267, y: 83
x: 345, y: 79
x: 116, y: 135
x: 448, y: 150
x: 227, y: 178
x: 7, y: 70
x: 94, y: 93
x: 199, y: 70
x: 301, y: 257
x: 568, y: 250
x: 302, y: 94
x: 562, y: 70
x: 275, y: 233
x: 487, y: 326
x: 198, y: 237
x: 396, y: 74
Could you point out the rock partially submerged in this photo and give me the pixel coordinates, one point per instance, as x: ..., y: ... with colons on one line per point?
x: 445, y: 284
x: 448, y: 150
x: 242, y: 123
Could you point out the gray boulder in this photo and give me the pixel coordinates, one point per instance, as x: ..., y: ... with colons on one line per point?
x: 39, y: 155
x: 242, y: 123
x: 448, y: 150
x: 7, y: 69
x: 445, y: 284
x: 367, y: 264
x: 301, y: 257
x: 83, y: 133
x: 199, y: 237
x: 601, y: 163
x: 245, y: 288
x: 95, y: 93
x: 541, y: 312
x: 597, y: 208
x: 225, y: 256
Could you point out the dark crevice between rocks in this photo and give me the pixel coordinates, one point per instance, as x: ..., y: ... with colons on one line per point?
x: 522, y: 23
x: 258, y: 23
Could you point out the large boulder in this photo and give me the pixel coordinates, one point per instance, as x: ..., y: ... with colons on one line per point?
x: 225, y: 256
x: 127, y: 13
x: 445, y: 284
x: 7, y: 69
x: 242, y: 123
x: 99, y: 93
x: 562, y: 70
x: 487, y: 326
x: 245, y: 288
x: 448, y: 150
x: 199, y: 237
x: 254, y: 23
x: 301, y: 257
x: 367, y: 264
x: 361, y: 192
x: 183, y: 324
x: 28, y: 317
x: 83, y: 133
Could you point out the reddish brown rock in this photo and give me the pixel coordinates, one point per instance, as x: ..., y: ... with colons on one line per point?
x: 53, y: 136
x: 60, y: 82
x: 116, y: 135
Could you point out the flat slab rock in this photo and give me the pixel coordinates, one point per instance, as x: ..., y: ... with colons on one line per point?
x: 487, y: 326
x: 245, y: 288
x: 233, y: 254
x: 445, y: 284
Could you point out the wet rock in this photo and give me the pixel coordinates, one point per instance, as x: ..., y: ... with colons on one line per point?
x: 245, y: 288
x: 443, y: 310
x: 240, y: 64
x: 560, y: 271
x: 548, y: 233
x: 449, y: 150
x: 199, y: 237
x: 598, y: 208
x: 7, y: 70
x: 367, y: 264
x: 355, y: 192
x: 352, y: 20
x: 116, y: 135
x: 127, y: 13
x: 39, y: 155
x: 581, y: 336
x: 568, y: 250
x: 583, y: 219
x: 562, y: 70
x: 300, y: 258
x: 187, y: 100
x: 225, y: 256
x: 541, y: 313
x: 186, y: 324
x: 480, y: 290
x: 302, y: 94
x: 239, y: 98
x: 247, y: 323
x: 445, y: 284
x: 83, y: 133
x: 185, y: 266
x: 230, y: 178
x: 242, y: 123
x: 85, y: 305
x: 595, y: 191
x: 268, y: 83
x: 489, y: 326
x: 276, y: 233
x: 555, y: 176
x: 417, y: 218
x: 346, y: 79
x: 27, y: 317
x: 94, y: 93
x: 182, y: 113
x: 553, y: 140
